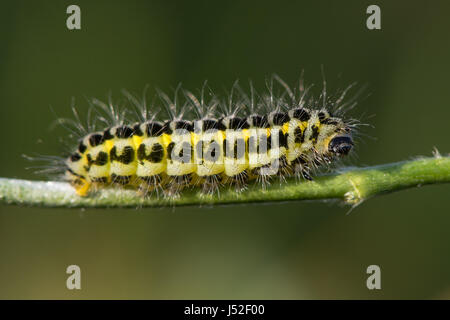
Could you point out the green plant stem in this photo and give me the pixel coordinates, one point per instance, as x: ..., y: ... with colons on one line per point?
x: 351, y: 185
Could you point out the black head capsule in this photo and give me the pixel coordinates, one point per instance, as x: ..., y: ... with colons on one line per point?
x: 340, y: 145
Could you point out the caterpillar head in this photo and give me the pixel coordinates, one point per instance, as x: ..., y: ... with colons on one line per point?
x: 336, y: 134
x: 340, y: 145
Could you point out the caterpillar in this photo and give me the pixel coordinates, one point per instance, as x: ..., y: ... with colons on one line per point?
x: 211, y: 143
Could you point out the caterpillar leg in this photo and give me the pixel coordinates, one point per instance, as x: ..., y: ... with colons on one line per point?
x: 81, y: 187
x: 306, y: 175
x: 301, y: 168
x: 176, y: 184
x: 238, y: 181
x: 149, y: 185
x: 78, y: 182
x: 210, y: 184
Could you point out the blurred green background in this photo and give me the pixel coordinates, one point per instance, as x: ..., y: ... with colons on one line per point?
x: 274, y: 251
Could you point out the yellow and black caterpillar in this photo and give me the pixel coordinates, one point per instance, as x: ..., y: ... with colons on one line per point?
x: 291, y: 138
